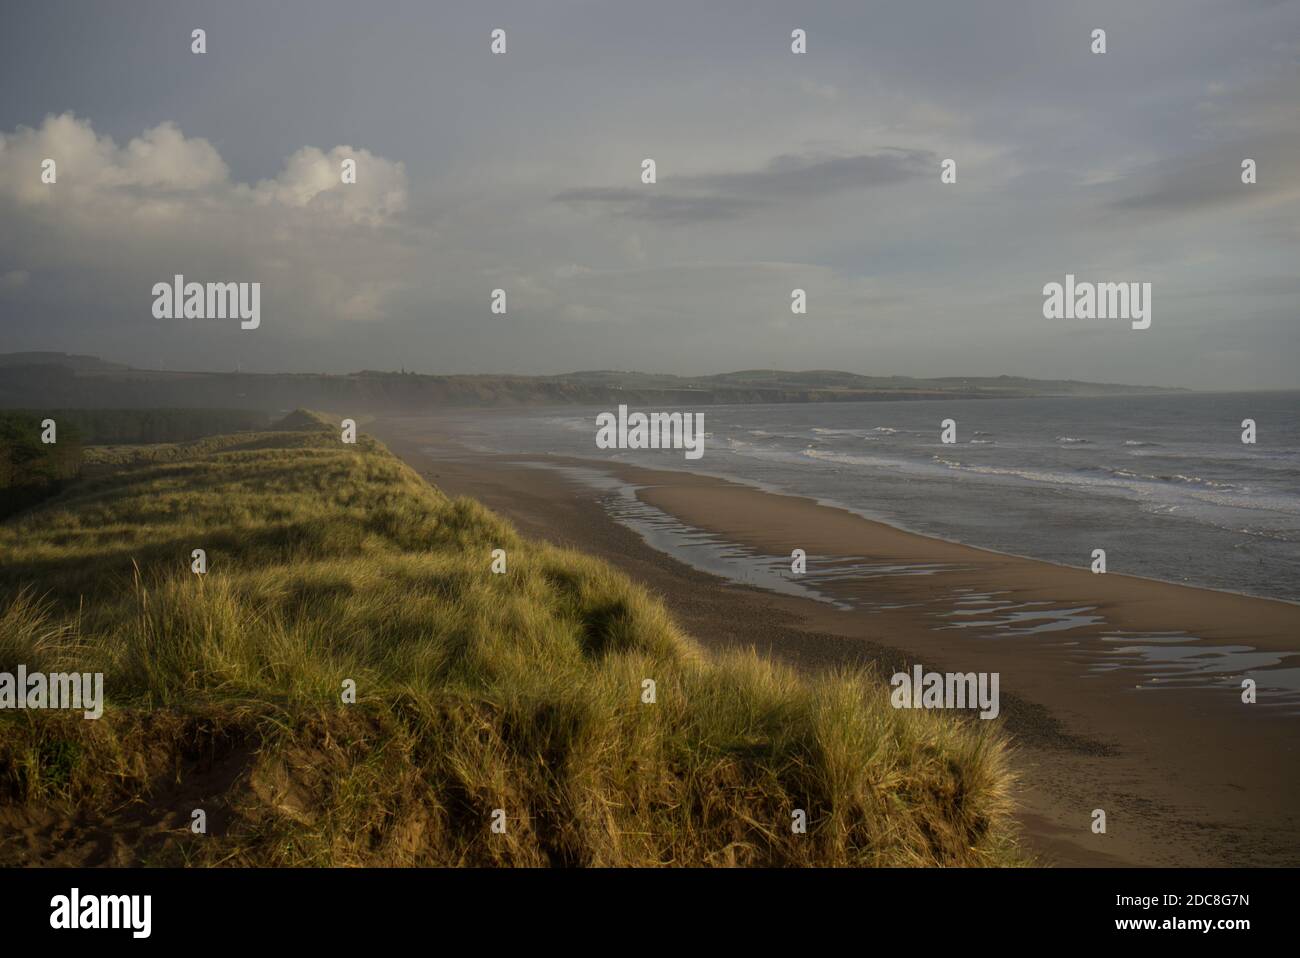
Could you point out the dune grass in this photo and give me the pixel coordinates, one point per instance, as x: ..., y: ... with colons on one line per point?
x: 475, y: 691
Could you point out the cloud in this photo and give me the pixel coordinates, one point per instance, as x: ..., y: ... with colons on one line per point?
x: 117, y: 219
x: 312, y: 179
x: 1212, y: 179
x: 793, y: 176
x: 160, y: 160
x: 187, y: 173
x: 709, y: 197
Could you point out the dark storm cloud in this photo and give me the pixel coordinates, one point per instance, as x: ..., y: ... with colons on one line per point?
x: 729, y: 195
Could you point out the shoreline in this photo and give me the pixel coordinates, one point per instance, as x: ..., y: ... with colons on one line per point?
x: 1198, y: 522
x: 1187, y: 776
x: 826, y: 503
x: 1274, y: 622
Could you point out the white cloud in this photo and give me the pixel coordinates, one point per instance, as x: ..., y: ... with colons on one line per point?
x: 312, y: 178
x: 129, y: 216
x: 89, y: 166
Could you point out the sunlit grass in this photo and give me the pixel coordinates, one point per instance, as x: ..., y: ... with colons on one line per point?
x: 475, y: 691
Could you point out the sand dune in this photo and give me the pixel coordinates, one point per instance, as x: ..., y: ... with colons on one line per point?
x: 1187, y: 773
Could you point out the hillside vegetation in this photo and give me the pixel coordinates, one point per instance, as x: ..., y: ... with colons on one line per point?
x: 105, y: 426
x: 32, y: 470
x: 475, y: 691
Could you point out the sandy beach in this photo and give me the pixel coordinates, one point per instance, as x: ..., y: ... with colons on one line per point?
x: 1186, y: 773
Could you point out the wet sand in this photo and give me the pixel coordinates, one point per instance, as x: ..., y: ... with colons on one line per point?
x: 1120, y: 693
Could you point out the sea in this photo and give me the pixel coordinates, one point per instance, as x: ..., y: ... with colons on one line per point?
x: 1162, y: 482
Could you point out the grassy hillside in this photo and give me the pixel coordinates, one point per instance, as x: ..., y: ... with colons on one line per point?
x: 475, y: 691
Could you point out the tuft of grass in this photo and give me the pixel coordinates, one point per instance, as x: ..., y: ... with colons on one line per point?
x: 474, y: 691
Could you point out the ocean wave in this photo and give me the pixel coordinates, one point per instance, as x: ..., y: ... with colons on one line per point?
x: 768, y: 434
x: 846, y: 459
x: 877, y: 432
x: 1168, y: 494
x: 1032, y: 475
x: 1198, y: 481
x: 571, y: 423
x: 1176, y: 478
x: 1071, y: 441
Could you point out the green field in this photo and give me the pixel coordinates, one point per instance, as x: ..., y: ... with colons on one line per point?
x: 475, y: 691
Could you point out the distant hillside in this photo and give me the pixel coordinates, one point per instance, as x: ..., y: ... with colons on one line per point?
x: 43, y: 380
x: 66, y: 360
x: 828, y: 381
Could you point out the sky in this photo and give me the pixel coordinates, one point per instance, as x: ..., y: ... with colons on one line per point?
x: 522, y: 171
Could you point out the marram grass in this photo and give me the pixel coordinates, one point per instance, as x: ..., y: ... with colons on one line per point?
x: 475, y: 691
